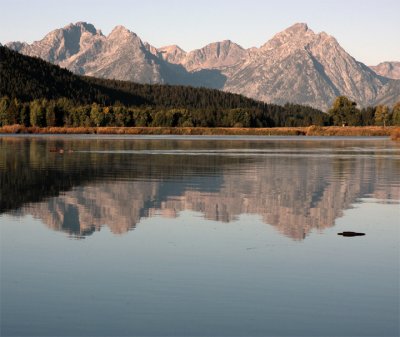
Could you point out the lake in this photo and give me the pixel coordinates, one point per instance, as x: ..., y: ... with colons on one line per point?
x: 199, y: 236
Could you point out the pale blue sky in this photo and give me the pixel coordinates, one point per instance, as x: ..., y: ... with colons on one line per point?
x: 368, y: 29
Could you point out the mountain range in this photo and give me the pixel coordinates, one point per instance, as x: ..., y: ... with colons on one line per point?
x: 296, y: 65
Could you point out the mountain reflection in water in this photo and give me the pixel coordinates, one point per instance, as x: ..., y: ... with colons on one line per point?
x: 294, y: 185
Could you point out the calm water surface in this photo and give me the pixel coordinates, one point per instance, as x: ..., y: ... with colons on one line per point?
x: 199, y: 236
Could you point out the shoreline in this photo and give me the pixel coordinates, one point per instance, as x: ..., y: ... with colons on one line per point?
x: 357, y: 131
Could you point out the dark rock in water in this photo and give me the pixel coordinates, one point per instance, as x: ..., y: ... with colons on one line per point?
x: 351, y: 234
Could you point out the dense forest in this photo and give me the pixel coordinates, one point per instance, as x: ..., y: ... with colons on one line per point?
x: 36, y: 93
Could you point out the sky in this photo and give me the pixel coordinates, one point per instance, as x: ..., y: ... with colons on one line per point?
x: 369, y: 30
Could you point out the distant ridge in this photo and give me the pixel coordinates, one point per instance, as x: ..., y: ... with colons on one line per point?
x: 388, y: 69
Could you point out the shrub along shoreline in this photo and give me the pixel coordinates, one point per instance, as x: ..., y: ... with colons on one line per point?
x: 392, y: 131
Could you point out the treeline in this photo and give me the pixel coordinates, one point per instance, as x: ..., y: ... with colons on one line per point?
x: 64, y: 112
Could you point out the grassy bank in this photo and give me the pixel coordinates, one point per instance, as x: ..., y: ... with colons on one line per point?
x: 394, y: 132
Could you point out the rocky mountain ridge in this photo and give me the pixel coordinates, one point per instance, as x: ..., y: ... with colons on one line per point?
x: 216, y: 55
x: 296, y: 65
x: 388, y: 69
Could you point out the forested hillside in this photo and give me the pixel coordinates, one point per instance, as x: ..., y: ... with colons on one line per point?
x: 28, y: 78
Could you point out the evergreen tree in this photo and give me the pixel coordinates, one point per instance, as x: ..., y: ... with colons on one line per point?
x: 50, y: 113
x: 24, y: 115
x: 4, y: 104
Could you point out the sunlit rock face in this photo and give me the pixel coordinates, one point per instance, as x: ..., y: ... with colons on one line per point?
x: 308, y: 68
x: 296, y: 65
x: 84, y: 50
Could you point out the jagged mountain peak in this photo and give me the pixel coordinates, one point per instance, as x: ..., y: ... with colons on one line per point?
x: 62, y: 43
x: 298, y: 28
x: 172, y: 53
x: 215, y: 55
x: 219, y: 49
x: 73, y: 31
x: 225, y: 43
x: 121, y: 31
x: 84, y: 26
x: 122, y: 38
x: 296, y: 35
x: 296, y: 31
